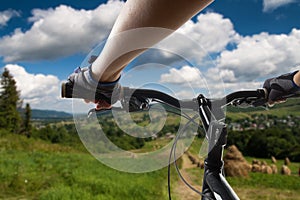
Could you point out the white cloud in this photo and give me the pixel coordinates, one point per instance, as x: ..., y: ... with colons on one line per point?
x: 33, y: 85
x: 211, y: 30
x: 262, y: 55
x: 213, y: 82
x: 60, y: 32
x: 220, y: 90
x: 184, y: 76
x: 184, y: 94
x: 220, y: 79
x: 6, y: 15
x: 255, y: 57
x: 220, y: 75
x: 270, y: 5
x: 64, y: 31
x: 41, y: 91
x: 211, y: 33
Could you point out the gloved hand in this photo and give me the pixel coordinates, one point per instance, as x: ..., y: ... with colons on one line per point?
x: 81, y: 84
x: 281, y: 87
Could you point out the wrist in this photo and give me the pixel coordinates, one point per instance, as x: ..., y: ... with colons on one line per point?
x: 296, y: 79
x: 104, y: 80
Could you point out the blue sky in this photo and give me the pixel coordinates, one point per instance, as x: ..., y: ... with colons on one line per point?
x: 249, y: 41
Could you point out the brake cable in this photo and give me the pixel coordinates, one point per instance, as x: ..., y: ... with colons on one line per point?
x: 173, y: 151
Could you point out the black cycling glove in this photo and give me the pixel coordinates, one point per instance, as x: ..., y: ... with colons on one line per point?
x: 282, y: 86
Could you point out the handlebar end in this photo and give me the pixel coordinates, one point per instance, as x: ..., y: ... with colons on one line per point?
x: 266, y: 92
x: 63, y: 90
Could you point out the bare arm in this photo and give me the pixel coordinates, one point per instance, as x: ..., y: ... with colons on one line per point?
x: 169, y: 14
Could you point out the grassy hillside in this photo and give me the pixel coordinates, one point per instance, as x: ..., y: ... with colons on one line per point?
x: 33, y: 169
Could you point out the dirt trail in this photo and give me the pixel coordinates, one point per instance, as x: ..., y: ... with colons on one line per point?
x: 182, y: 192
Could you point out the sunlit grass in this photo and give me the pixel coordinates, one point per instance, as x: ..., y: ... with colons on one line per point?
x: 56, y: 172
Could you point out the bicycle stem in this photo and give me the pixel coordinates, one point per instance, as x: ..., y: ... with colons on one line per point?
x: 215, y: 185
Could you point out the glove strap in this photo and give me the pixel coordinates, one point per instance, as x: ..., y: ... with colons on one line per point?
x: 92, y: 81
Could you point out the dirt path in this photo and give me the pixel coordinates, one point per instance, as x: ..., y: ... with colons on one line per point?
x: 182, y: 192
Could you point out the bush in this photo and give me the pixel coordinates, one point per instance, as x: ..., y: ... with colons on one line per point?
x: 57, y: 134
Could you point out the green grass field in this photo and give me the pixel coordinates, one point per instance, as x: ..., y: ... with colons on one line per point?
x: 31, y: 169
x: 34, y: 169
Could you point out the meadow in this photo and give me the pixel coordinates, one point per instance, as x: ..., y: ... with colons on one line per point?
x: 53, y: 164
x: 35, y: 169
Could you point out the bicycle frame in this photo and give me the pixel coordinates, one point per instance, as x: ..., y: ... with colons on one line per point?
x: 214, y: 185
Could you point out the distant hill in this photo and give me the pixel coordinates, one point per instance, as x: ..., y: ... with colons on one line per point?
x: 40, y: 114
x: 37, y: 114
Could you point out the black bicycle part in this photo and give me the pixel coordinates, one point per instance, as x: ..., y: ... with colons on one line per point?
x: 214, y: 184
x: 212, y: 115
x: 139, y: 99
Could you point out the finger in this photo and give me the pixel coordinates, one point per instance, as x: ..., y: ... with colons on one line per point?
x: 276, y: 95
x: 272, y: 103
x: 101, y: 104
x: 90, y: 101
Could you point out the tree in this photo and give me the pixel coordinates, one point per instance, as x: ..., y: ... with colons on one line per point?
x: 46, y: 133
x: 9, y: 103
x: 27, y: 120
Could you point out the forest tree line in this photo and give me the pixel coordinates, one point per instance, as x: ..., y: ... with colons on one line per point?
x: 15, y: 119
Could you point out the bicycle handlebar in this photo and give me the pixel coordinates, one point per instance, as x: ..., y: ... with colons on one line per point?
x: 141, y: 97
x: 251, y: 97
x: 158, y: 95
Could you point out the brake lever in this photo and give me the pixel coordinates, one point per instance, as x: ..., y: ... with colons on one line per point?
x: 263, y: 101
x: 246, y: 103
x: 131, y: 105
x: 260, y: 103
x: 134, y: 103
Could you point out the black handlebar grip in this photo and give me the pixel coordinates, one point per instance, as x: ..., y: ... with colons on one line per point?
x: 66, y: 90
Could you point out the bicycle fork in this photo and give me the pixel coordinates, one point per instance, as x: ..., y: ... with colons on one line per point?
x: 215, y: 185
